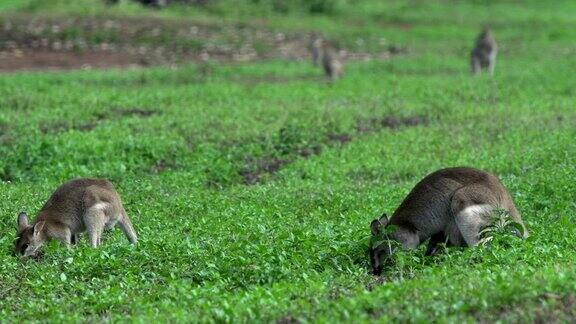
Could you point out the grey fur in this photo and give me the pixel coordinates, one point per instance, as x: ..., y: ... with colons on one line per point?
x: 79, y: 205
x: 449, y: 205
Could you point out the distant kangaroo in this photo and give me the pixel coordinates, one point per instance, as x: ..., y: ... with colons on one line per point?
x: 449, y: 205
x: 78, y: 205
x: 332, y: 64
x: 484, y: 53
x: 316, y: 49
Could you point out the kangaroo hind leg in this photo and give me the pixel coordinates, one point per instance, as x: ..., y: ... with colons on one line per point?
x: 471, y: 207
x: 95, y: 221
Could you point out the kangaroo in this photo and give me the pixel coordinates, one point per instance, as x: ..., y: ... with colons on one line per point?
x: 155, y: 3
x: 333, y: 67
x: 450, y: 205
x: 79, y: 205
x: 316, y: 49
x: 484, y: 53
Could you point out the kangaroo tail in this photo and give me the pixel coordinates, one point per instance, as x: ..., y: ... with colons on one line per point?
x: 127, y: 228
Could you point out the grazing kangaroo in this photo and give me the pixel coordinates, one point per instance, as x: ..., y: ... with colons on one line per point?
x: 484, y: 53
x: 79, y: 205
x: 450, y: 205
x: 333, y: 67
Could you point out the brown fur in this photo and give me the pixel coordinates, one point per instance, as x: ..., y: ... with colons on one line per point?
x: 449, y: 205
x: 333, y: 66
x: 483, y: 56
x: 78, y: 205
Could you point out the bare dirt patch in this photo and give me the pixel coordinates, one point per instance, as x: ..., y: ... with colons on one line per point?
x: 126, y: 112
x: 138, y: 112
x: 306, y: 152
x: 60, y: 127
x: 290, y: 147
x: 288, y: 319
x: 339, y: 138
x: 47, y: 60
x: 393, y: 122
x: 36, y: 42
x: 256, y: 168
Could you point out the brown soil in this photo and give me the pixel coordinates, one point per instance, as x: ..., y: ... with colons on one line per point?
x: 392, y: 122
x: 59, y: 127
x: 309, y: 151
x: 256, y: 168
x: 62, y: 127
x: 339, y: 138
x: 288, y: 319
x: 49, y: 43
x: 140, y: 112
x: 49, y: 60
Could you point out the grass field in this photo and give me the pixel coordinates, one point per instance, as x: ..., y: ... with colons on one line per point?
x: 252, y: 185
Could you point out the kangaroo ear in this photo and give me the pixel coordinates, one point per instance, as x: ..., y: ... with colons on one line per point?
x: 38, y: 228
x: 22, y: 220
x: 378, y: 224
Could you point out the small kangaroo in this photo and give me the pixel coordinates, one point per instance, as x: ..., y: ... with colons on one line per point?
x: 333, y: 67
x: 484, y: 53
x: 449, y: 205
x: 79, y: 205
x: 316, y: 49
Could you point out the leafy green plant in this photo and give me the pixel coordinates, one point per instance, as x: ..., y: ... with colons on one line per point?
x: 501, y: 228
x: 384, y: 237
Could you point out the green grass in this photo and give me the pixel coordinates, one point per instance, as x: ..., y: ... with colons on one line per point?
x: 294, y: 245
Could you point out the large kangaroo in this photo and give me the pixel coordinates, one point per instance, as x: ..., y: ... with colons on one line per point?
x: 449, y: 205
x: 78, y: 205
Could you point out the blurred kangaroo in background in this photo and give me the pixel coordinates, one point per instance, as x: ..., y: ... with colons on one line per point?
x: 333, y: 66
x: 447, y: 206
x: 316, y: 49
x: 79, y: 205
x: 484, y: 53
x: 155, y: 3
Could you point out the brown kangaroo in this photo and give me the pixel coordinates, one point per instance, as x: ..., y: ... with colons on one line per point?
x: 483, y: 55
x: 450, y: 205
x: 79, y: 205
x: 332, y: 64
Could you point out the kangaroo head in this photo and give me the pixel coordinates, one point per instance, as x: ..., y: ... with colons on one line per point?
x: 380, y: 249
x: 30, y: 238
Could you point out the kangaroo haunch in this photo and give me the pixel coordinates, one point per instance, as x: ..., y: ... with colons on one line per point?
x: 79, y: 205
x: 450, y: 205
